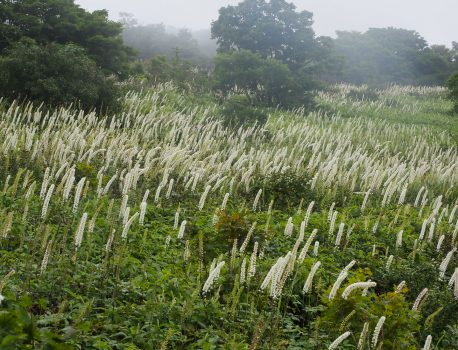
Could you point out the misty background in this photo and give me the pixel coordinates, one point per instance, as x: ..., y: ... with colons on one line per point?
x: 434, y: 20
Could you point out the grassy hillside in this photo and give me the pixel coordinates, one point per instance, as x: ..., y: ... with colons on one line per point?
x: 162, y: 229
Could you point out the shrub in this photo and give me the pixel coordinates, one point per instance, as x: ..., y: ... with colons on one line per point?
x: 452, y: 85
x: 56, y: 75
x: 237, y: 110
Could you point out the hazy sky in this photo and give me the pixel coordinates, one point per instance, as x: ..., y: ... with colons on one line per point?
x: 435, y: 20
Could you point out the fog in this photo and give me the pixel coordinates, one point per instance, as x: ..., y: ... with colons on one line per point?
x: 434, y: 20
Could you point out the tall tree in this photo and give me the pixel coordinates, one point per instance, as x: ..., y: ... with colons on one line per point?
x: 272, y: 29
x: 63, y: 22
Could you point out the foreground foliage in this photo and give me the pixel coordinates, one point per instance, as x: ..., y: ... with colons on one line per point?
x: 162, y: 229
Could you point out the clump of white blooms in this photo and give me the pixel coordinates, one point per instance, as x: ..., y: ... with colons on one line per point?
x: 315, y: 248
x: 377, y: 330
x: 187, y: 252
x: 339, y: 235
x: 212, y: 277
x: 363, y: 336
x: 342, y: 276
x: 79, y: 188
x: 428, y: 341
x: 182, y: 229
x: 357, y: 285
x: 423, y: 229
x: 306, y: 247
x: 308, y: 283
x: 276, y: 276
x: 400, y: 287
x: 366, y: 197
x: 44, y: 262
x: 44, y: 184
x: 204, y: 197
x: 431, y: 230
x: 128, y: 224
x: 44, y: 210
x: 248, y: 237
x: 225, y: 199
x: 420, y: 297
x: 454, y: 283
x: 176, y: 220
x: 308, y: 213
x: 331, y: 211
x: 252, y: 268
x: 80, y: 231
x: 389, y: 262
x: 399, y: 239
x: 122, y: 209
x: 110, y: 240
x: 243, y: 271
x: 333, y: 223
x: 256, y: 199
x: 167, y: 240
x: 444, y: 264
x: 289, y: 227
x: 339, y: 340
x: 141, y: 218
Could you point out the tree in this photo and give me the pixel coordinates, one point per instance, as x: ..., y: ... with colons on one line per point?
x: 452, y: 85
x: 63, y: 22
x: 55, y: 74
x: 56, y: 52
x: 383, y: 56
x: 269, y: 48
x: 272, y: 29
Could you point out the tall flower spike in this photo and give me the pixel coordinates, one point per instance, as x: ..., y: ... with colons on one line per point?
x: 377, y: 331
x: 339, y: 340
x: 128, y: 224
x: 44, y: 210
x: 420, y: 297
x: 204, y: 197
x: 308, y: 283
x: 343, y: 275
x: 212, y: 277
x: 182, y: 228
x: 428, y: 341
x: 256, y: 199
x: 362, y: 337
x: 357, y: 285
x: 80, y: 231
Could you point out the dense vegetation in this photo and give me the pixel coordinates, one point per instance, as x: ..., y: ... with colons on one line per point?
x: 163, y: 229
x: 245, y: 203
x: 58, y: 53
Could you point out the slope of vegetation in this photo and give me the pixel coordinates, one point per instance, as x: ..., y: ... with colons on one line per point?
x: 161, y: 228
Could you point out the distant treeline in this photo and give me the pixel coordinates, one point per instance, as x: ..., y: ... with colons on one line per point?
x: 157, y: 39
x: 377, y: 57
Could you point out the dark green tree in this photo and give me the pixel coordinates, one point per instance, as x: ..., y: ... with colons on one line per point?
x: 452, y: 85
x: 62, y: 21
x: 269, y: 48
x: 55, y: 74
x: 382, y: 56
x: 272, y: 29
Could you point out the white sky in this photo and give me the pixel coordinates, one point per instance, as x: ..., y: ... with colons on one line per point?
x: 436, y: 20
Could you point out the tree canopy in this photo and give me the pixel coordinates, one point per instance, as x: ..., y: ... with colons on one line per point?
x: 272, y: 29
x: 53, y: 51
x: 382, y: 56
x: 62, y: 21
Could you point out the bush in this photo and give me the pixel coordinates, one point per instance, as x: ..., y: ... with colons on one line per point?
x: 237, y: 110
x: 452, y: 85
x: 57, y: 75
